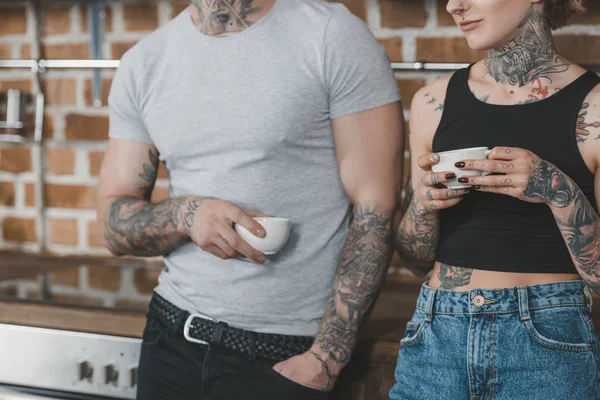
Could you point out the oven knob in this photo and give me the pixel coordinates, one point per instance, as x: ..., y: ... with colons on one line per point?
x: 133, y: 377
x: 111, y: 375
x: 86, y: 371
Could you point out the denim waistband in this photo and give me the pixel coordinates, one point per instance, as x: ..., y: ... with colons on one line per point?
x: 503, y: 301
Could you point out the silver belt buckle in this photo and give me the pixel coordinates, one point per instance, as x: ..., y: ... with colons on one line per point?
x: 188, y: 324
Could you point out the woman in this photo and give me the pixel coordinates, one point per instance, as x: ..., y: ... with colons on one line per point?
x: 506, y: 312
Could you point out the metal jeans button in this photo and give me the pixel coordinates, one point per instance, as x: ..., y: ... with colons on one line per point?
x: 478, y: 300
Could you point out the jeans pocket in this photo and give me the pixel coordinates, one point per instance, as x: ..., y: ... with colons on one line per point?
x: 560, y: 328
x: 153, y: 333
x: 413, y: 333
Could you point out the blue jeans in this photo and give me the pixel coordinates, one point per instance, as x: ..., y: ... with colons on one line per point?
x: 526, y: 343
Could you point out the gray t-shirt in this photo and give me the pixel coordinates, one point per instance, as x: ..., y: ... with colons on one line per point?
x: 247, y: 118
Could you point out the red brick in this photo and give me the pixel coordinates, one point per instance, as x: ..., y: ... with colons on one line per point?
x: 30, y: 195
x: 78, y: 51
x: 60, y: 91
x: 57, y: 20
x: 93, y: 236
x: 444, y: 18
x: 104, y: 278
x: 86, y: 127
x: 140, y: 17
x: 146, y: 279
x: 70, y: 196
x: 7, y: 194
x: 451, y: 49
x: 408, y: 88
x: 177, y: 7
x: 64, y: 231
x: 19, y: 229
x: 402, y: 13
x: 104, y: 95
x: 47, y: 128
x: 118, y: 49
x: 23, y: 85
x: 65, y: 277
x: 13, y: 21
x: 61, y: 161
x: 5, y: 51
x: 393, y: 47
x: 357, y: 7
x: 83, y: 18
x: 95, y: 160
x: 15, y: 159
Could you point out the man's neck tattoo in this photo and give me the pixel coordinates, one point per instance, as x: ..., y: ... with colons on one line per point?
x: 529, y: 56
x: 222, y: 17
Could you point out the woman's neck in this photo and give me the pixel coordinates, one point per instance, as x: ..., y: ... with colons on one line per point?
x: 530, y: 55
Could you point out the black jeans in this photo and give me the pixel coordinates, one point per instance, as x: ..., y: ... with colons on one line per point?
x: 171, y: 368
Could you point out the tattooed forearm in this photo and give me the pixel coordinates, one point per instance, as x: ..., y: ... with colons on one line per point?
x: 580, y: 226
x: 454, y: 277
x: 550, y: 185
x: 135, y: 227
x: 222, y: 17
x: 417, y: 238
x: 531, y: 55
x: 360, y: 273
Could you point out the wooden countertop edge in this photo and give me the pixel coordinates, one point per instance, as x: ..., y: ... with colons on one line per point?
x: 131, y: 324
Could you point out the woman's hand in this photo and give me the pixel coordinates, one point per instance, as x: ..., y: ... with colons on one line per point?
x: 523, y: 175
x: 430, y: 195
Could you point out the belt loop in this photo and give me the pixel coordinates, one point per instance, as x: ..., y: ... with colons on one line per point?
x: 523, y: 303
x: 252, y: 345
x: 429, y: 305
x: 178, y: 322
x: 588, y: 294
x: 218, y: 335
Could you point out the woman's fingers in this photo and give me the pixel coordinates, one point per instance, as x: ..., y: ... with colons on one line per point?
x: 426, y: 161
x: 442, y: 204
x: 433, y: 178
x: 444, y: 194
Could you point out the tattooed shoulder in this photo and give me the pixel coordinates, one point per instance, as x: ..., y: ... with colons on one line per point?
x: 588, y: 120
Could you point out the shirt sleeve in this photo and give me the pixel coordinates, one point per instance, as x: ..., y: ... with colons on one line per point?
x: 125, y: 117
x: 357, y: 70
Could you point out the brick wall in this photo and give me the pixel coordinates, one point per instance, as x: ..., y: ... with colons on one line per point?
x: 76, y: 132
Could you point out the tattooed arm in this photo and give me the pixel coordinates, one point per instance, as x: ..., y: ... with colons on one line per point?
x: 418, y: 232
x: 369, y: 153
x: 371, y: 169
x: 131, y: 225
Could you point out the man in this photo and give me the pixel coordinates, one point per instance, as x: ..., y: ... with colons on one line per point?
x: 282, y: 107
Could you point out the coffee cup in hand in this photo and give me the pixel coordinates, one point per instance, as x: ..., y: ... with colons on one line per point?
x: 449, y: 158
x: 277, y: 233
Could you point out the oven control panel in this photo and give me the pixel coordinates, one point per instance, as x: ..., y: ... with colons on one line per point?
x: 69, y: 361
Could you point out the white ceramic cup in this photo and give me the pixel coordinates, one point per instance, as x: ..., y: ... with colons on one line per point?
x: 277, y: 233
x: 448, y: 158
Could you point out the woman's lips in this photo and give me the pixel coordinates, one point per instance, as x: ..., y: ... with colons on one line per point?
x: 470, y: 25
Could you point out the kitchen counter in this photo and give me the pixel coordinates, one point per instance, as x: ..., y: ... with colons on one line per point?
x: 369, y: 375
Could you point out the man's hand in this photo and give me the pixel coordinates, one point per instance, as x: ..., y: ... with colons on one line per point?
x: 310, y: 369
x: 209, y: 223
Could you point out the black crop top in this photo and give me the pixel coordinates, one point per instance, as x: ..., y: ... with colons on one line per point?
x: 495, y: 232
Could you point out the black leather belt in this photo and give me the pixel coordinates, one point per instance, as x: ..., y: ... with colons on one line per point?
x: 202, y: 329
